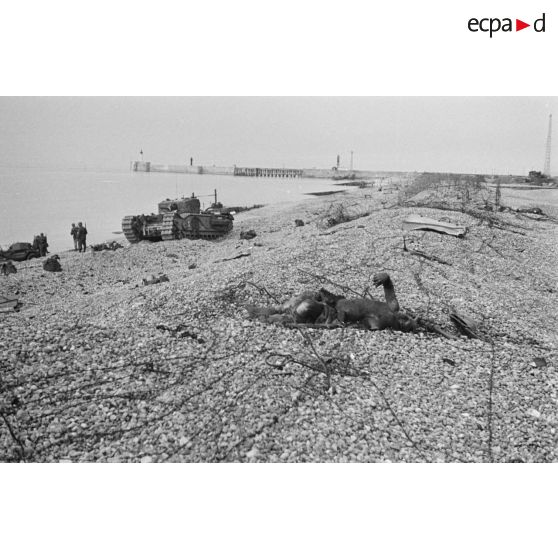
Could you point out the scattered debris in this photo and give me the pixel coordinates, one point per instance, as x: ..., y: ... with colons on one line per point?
x: 7, y: 268
x: 533, y: 210
x: 52, y: 264
x: 248, y: 235
x: 338, y: 213
x: 106, y: 246
x: 534, y: 213
x: 417, y: 222
x: 9, y: 304
x: 153, y: 280
x: 540, y: 362
x: 180, y: 331
x: 335, y: 231
x: 277, y: 361
x: 465, y: 325
x: 423, y: 255
x: 431, y: 327
x: 243, y: 255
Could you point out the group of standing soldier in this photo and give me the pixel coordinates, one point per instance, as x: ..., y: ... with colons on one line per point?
x: 40, y: 243
x: 79, y: 234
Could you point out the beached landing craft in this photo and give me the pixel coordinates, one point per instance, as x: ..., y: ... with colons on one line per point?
x: 179, y: 218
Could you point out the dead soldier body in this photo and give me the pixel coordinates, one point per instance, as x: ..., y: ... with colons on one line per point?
x: 326, y: 308
x: 7, y: 268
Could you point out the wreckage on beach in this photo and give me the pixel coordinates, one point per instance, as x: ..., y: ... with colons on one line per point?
x: 419, y: 223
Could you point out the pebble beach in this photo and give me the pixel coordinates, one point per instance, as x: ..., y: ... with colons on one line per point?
x: 99, y: 367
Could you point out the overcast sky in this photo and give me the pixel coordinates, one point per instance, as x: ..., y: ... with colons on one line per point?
x: 454, y: 134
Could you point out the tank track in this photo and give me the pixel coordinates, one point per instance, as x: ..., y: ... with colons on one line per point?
x: 171, y: 229
x: 204, y: 236
x: 128, y: 229
x: 168, y: 227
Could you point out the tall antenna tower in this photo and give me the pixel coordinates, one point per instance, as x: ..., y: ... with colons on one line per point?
x: 548, y: 143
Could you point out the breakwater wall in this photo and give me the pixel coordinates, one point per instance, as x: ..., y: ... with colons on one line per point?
x: 141, y: 166
x: 265, y: 172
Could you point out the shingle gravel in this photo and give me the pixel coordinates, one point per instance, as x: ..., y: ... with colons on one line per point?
x: 86, y: 374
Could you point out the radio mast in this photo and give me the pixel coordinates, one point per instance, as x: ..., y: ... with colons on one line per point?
x: 548, y: 144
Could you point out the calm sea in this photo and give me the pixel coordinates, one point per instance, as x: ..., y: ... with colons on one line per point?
x: 49, y: 201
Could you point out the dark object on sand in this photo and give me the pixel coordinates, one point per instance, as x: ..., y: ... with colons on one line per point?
x: 248, y: 235
x: 421, y: 254
x: 533, y: 210
x: 9, y: 304
x: 539, y: 362
x: 299, y: 223
x: 466, y: 325
x: 106, y: 246
x: 372, y: 314
x: 181, y: 331
x: 323, y: 309
x: 176, y: 219
x: 153, y: 280
x: 20, y: 251
x: 326, y: 193
x: 238, y: 256
x: 52, y: 264
x: 7, y: 268
x: 416, y: 222
x: 330, y: 310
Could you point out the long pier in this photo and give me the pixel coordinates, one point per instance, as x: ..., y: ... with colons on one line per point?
x: 262, y: 172
x: 268, y: 172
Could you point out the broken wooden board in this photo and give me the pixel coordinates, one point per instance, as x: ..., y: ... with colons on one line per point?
x: 416, y: 222
x: 8, y: 304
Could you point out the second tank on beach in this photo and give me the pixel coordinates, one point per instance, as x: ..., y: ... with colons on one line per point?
x: 179, y: 218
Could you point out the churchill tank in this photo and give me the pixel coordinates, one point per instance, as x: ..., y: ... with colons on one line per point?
x: 179, y: 218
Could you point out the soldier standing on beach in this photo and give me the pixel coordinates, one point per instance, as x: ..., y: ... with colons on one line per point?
x: 81, y: 235
x: 73, y: 233
x: 43, y: 245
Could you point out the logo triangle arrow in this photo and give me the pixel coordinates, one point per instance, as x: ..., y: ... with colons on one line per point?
x: 519, y: 25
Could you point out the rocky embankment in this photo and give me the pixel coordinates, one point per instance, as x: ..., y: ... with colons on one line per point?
x: 97, y: 366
